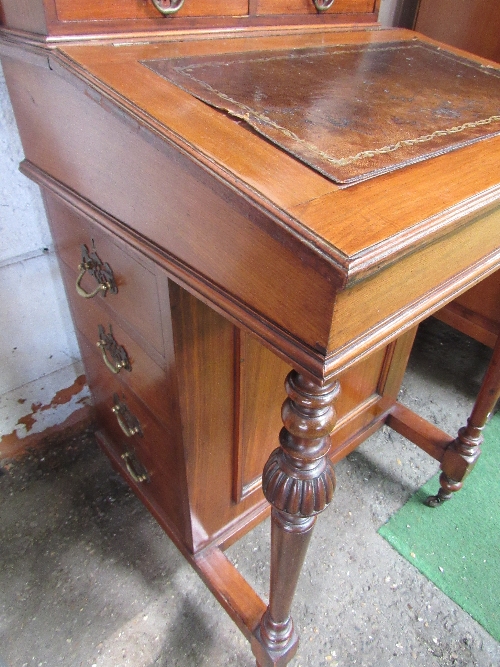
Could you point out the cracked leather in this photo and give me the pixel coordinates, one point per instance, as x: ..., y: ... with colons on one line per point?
x: 350, y: 111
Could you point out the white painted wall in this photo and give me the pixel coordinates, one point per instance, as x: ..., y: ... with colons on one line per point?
x: 39, y: 355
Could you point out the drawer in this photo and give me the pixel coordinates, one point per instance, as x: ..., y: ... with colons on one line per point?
x: 137, y: 297
x: 103, y: 10
x: 138, y: 372
x: 307, y: 7
x: 153, y: 456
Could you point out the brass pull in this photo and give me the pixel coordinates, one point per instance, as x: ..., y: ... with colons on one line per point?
x: 118, y: 354
x: 128, y: 422
x: 81, y: 291
x: 323, y: 5
x: 131, y: 463
x: 99, y: 270
x: 167, y: 10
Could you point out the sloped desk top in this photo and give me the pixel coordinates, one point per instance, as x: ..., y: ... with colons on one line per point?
x: 350, y: 111
x: 322, y: 273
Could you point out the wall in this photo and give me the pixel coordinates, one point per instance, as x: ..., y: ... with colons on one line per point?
x: 42, y: 386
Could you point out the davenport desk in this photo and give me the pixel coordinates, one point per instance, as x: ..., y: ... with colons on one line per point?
x: 244, y: 191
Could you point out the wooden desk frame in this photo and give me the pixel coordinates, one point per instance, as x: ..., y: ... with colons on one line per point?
x: 419, y: 247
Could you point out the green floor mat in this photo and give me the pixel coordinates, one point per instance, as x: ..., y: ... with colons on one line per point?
x: 457, y: 545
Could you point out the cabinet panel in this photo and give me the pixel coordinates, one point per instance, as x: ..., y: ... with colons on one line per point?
x: 97, y: 10
x: 140, y: 373
x: 307, y: 7
x: 231, y: 390
x: 366, y: 391
x: 136, y: 299
x: 155, y: 450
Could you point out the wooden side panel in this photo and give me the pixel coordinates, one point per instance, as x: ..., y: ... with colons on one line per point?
x: 472, y: 25
x: 368, y: 389
x: 204, y: 349
x: 261, y: 377
x: 363, y: 419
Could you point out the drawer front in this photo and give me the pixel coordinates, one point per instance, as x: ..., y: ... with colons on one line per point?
x: 150, y: 454
x: 136, y: 299
x: 307, y: 7
x: 103, y: 10
x: 121, y: 356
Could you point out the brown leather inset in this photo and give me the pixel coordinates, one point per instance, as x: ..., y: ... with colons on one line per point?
x: 350, y: 111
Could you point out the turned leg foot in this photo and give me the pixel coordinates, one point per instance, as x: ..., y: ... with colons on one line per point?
x: 298, y: 481
x: 448, y: 488
x: 462, y: 454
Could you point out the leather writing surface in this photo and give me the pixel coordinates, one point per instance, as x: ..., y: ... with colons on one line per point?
x: 350, y: 111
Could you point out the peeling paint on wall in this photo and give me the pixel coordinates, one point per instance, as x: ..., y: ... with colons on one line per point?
x: 42, y: 388
x: 31, y: 411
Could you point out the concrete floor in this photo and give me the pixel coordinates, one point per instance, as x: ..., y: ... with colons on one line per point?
x: 88, y: 579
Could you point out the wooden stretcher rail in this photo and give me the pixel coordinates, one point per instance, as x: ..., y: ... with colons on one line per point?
x: 418, y: 430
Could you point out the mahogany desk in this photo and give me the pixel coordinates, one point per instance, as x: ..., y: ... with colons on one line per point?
x: 205, y: 261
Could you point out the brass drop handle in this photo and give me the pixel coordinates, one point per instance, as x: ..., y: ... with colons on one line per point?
x: 128, y: 423
x: 323, y: 5
x: 113, y: 368
x: 172, y: 7
x: 82, y: 292
x: 108, y: 345
x: 130, y: 462
x: 100, y: 271
x: 128, y: 430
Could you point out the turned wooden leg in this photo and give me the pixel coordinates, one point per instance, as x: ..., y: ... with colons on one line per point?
x: 462, y: 454
x: 298, y: 481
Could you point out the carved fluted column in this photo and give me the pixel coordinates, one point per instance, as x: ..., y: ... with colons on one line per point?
x: 298, y: 481
x: 464, y: 451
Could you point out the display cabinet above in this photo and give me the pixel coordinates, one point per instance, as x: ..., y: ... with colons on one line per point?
x: 100, y: 17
